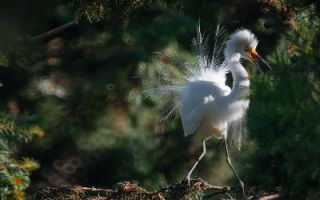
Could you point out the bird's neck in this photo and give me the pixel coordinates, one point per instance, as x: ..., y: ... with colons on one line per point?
x: 241, y: 82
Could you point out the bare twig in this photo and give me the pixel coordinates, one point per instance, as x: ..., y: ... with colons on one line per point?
x: 196, y: 184
x: 270, y: 197
x: 55, y: 30
x: 132, y: 191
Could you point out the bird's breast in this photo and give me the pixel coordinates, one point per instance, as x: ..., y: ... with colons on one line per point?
x: 210, y: 128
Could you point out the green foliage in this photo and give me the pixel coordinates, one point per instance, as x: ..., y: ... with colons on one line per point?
x: 283, y: 116
x: 14, y: 173
x: 76, y: 84
x: 164, y: 69
x: 93, y: 10
x: 96, y: 10
x: 3, y: 60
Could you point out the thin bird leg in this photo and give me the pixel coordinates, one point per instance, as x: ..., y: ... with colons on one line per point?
x: 204, y: 150
x: 230, y: 165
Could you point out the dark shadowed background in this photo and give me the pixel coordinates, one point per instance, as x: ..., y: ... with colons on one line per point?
x: 82, y: 86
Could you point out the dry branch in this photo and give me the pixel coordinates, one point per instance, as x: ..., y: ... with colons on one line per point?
x: 198, y: 189
x: 55, y: 30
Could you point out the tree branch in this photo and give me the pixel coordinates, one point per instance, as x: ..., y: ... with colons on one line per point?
x: 270, y: 197
x: 54, y: 31
x: 130, y: 190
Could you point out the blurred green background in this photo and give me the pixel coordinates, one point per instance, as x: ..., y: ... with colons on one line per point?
x: 82, y: 88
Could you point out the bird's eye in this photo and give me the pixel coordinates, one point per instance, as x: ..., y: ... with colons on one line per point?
x: 247, y: 49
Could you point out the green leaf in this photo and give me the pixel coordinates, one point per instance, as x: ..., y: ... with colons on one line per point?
x: 4, y: 62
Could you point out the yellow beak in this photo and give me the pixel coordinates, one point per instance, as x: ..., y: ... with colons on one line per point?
x: 254, y: 56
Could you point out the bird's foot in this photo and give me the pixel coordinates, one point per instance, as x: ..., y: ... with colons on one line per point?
x: 188, y: 179
x: 243, y: 190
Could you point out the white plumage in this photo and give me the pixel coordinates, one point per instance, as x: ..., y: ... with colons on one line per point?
x: 208, y: 105
x: 205, y: 103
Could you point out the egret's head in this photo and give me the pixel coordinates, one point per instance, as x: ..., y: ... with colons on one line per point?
x: 243, y: 42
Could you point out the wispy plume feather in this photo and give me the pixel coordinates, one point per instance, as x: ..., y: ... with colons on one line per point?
x: 207, y: 67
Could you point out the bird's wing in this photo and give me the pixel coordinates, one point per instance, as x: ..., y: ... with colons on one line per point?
x: 194, y: 100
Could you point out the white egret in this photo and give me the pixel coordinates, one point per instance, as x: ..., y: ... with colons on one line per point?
x: 205, y: 103
x: 208, y: 105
